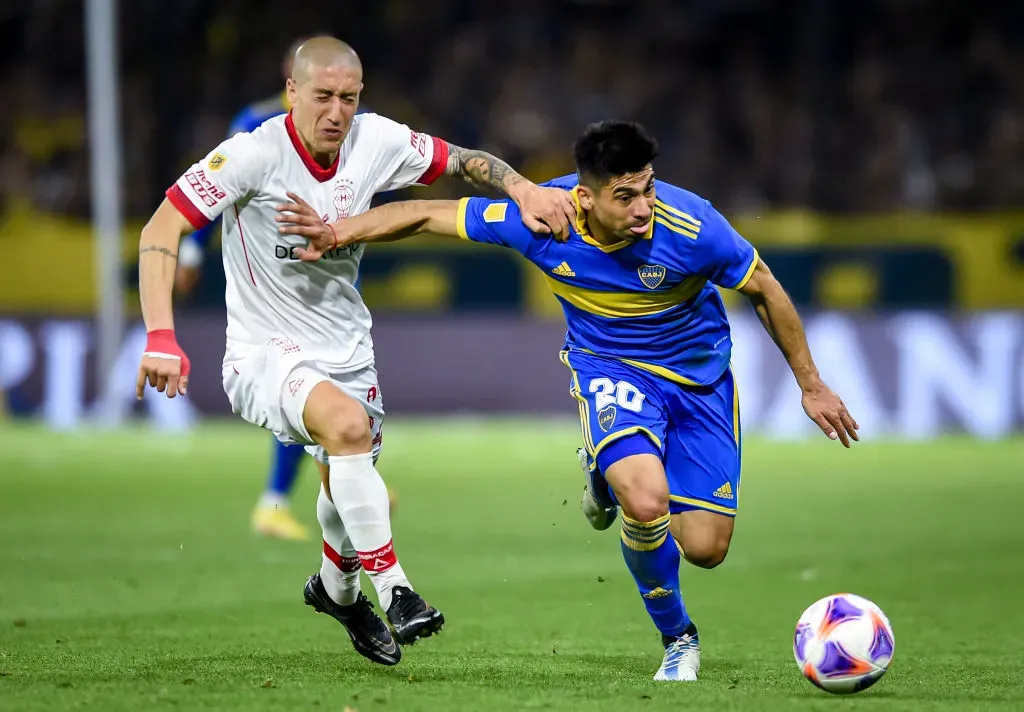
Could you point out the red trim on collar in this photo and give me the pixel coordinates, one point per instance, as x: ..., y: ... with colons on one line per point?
x: 314, y: 168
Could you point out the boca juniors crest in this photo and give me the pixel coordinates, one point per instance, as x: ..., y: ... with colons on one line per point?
x: 652, y: 275
x: 606, y: 418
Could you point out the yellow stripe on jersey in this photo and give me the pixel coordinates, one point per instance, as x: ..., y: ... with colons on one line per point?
x: 661, y: 371
x: 750, y: 272
x: 686, y: 217
x: 673, y: 227
x: 626, y: 304
x: 574, y: 389
x: 735, y: 409
x: 677, y: 224
x: 460, y: 219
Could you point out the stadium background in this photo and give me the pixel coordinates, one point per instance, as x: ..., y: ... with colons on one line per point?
x: 873, y: 151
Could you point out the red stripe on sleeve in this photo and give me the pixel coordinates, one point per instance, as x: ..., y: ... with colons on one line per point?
x: 438, y: 162
x: 186, y: 208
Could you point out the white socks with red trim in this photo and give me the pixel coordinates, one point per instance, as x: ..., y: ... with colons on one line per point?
x: 361, y: 498
x: 340, y: 568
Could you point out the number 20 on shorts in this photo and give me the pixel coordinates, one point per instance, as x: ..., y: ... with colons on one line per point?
x: 623, y: 394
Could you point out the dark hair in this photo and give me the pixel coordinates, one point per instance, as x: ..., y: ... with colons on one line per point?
x: 613, y: 148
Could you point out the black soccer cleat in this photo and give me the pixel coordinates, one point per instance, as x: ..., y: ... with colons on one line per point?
x: 411, y: 617
x: 370, y: 635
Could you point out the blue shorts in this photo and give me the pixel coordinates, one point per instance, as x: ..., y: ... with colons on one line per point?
x: 695, y: 429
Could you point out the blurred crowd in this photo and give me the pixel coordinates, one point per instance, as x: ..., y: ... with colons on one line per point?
x: 833, y: 105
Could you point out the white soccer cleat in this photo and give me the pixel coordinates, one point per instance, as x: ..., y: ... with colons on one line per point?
x: 682, y: 658
x: 600, y: 514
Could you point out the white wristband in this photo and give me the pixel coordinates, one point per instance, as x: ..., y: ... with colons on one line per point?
x: 159, y: 354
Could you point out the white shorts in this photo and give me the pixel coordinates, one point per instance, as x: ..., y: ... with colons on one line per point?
x: 268, y: 386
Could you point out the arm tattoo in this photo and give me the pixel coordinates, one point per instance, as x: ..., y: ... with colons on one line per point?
x: 481, y: 169
x: 161, y: 250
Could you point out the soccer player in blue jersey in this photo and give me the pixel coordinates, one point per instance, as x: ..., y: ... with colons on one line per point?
x: 648, y: 348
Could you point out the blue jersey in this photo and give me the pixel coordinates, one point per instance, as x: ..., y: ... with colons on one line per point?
x: 649, y: 302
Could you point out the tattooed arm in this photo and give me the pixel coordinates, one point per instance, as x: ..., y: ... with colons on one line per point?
x: 481, y: 169
x: 544, y: 210
x: 158, y: 258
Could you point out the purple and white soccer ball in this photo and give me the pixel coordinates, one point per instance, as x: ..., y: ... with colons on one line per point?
x: 843, y: 643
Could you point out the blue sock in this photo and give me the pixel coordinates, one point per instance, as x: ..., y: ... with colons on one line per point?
x: 285, y: 468
x: 653, y: 559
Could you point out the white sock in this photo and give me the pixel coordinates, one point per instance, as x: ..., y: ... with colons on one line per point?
x: 340, y: 567
x: 273, y: 500
x: 361, y: 498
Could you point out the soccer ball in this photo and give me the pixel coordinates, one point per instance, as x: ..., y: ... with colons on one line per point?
x: 843, y: 643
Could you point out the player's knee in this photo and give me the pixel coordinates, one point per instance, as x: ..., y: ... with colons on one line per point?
x: 345, y: 430
x: 706, y: 552
x: 645, y: 505
x: 347, y: 434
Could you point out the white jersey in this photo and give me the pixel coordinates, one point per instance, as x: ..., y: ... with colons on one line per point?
x: 271, y: 294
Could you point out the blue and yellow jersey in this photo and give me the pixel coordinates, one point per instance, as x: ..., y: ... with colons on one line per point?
x: 649, y: 301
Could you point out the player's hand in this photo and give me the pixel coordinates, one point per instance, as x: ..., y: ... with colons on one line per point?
x: 164, y: 365
x: 299, y: 218
x: 547, y: 210
x: 828, y: 410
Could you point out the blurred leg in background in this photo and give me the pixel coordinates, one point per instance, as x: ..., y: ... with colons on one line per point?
x: 273, y: 515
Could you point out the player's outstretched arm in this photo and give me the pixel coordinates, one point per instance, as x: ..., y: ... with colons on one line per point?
x: 543, y: 210
x: 780, y: 319
x: 164, y: 365
x: 387, y: 223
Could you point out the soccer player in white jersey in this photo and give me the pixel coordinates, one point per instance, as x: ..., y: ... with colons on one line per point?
x: 299, y: 356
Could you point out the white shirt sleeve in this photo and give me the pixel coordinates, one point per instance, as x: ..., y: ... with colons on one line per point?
x: 220, y: 179
x: 406, y: 157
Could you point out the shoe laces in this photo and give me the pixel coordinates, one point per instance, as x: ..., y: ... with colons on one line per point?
x: 364, y: 608
x: 407, y: 603
x: 683, y: 645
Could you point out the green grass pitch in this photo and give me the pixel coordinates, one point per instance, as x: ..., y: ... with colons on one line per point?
x: 129, y: 579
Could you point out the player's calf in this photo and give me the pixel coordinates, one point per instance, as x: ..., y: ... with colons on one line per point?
x: 340, y: 425
x: 647, y: 547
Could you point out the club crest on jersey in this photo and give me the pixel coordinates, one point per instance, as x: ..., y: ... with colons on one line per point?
x: 217, y: 162
x: 606, y: 418
x: 652, y: 275
x: 344, y: 198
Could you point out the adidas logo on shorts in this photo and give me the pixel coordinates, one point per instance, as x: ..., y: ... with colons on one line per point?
x: 723, y: 492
